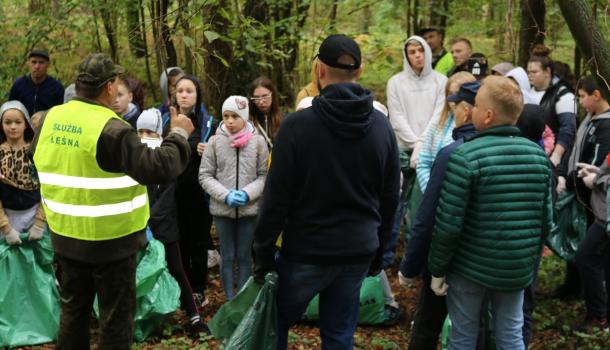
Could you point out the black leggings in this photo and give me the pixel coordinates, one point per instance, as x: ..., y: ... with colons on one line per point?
x: 174, y: 265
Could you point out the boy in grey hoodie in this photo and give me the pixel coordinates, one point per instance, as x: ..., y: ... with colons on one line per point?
x: 589, y: 153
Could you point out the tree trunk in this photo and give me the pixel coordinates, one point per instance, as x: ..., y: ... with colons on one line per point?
x: 146, y: 55
x: 416, y: 22
x: 134, y: 30
x: 109, y: 19
x: 436, y: 13
x: 166, y: 35
x: 531, y: 30
x: 333, y: 17
x: 35, y: 6
x: 217, y: 76
x: 186, y: 28
x: 366, y: 21
x: 408, y: 18
x: 589, y: 39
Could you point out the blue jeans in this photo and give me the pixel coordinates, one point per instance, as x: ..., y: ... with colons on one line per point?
x: 235, y: 237
x: 339, y: 289
x: 464, y: 301
x: 390, y: 251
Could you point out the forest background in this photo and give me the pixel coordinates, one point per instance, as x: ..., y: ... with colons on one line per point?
x: 229, y: 43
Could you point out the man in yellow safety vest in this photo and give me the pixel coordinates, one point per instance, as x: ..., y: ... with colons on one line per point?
x: 92, y: 168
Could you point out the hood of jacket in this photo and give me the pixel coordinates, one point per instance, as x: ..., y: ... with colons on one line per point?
x: 427, y: 58
x: 520, y: 76
x: 346, y: 109
x: 163, y: 83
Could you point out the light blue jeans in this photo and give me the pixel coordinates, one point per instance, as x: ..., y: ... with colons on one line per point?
x: 235, y: 237
x: 464, y: 301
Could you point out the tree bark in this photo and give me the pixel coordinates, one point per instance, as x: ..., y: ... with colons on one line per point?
x: 589, y: 39
x: 109, y: 21
x: 134, y: 30
x: 166, y: 35
x: 217, y: 77
x: 436, y: 13
x: 531, y: 30
x: 186, y: 28
x: 333, y: 17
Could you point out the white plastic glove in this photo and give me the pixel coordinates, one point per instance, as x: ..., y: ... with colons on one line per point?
x: 438, y: 286
x: 561, y: 184
x: 555, y: 159
x: 35, y: 233
x: 415, y: 155
x: 405, y: 282
x: 12, y: 237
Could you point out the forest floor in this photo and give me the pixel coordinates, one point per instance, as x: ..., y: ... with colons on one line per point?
x: 553, y: 329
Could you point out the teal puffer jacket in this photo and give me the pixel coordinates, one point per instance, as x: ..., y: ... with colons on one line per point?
x: 495, y: 208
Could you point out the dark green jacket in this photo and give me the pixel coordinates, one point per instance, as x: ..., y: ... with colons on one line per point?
x: 494, y: 210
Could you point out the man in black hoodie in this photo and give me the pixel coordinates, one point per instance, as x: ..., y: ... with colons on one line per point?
x: 333, y: 191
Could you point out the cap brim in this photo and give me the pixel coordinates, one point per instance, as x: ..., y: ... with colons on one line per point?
x: 453, y: 98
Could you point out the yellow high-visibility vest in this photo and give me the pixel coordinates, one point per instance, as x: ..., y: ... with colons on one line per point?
x: 81, y: 200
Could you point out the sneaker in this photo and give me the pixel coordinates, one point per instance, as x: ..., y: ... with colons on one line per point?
x: 213, y: 258
x: 198, y: 327
x: 200, y: 300
x: 391, y: 315
x: 590, y: 324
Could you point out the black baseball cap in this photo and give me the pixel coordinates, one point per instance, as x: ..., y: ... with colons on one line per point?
x: 39, y: 53
x: 96, y: 69
x: 335, y: 46
x: 477, y: 64
x: 467, y: 92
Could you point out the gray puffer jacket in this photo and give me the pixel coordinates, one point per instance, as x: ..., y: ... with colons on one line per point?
x: 218, y: 172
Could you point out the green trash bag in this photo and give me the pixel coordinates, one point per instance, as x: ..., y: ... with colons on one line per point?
x: 157, y: 292
x: 372, y: 304
x: 228, y: 317
x: 258, y: 328
x: 29, y: 300
x: 445, y: 333
x: 569, y: 228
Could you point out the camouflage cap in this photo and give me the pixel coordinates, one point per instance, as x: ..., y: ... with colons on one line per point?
x: 96, y: 69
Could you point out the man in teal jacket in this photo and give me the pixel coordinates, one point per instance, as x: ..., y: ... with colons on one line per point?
x: 494, y: 209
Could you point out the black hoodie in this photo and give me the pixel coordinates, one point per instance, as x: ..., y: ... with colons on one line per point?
x: 333, y: 184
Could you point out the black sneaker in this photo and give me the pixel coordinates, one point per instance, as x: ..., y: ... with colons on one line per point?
x: 391, y: 315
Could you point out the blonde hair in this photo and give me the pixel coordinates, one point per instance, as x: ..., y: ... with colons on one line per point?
x: 504, y: 95
x: 458, y: 78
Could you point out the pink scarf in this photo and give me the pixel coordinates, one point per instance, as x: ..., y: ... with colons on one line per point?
x: 240, y: 139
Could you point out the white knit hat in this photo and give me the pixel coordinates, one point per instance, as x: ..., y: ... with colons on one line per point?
x: 237, y: 105
x: 151, y: 119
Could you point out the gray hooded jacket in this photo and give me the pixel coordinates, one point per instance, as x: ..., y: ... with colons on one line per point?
x: 415, y: 100
x: 218, y: 172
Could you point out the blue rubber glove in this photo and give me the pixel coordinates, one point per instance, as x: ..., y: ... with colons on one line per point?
x: 242, y: 197
x: 231, y: 199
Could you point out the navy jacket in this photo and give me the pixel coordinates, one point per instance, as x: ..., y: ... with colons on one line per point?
x: 416, y: 253
x: 333, y: 185
x: 37, y: 98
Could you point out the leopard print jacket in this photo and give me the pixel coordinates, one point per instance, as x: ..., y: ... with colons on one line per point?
x: 18, y: 168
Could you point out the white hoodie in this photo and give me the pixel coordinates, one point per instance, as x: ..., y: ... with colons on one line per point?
x: 415, y: 100
x: 520, y: 76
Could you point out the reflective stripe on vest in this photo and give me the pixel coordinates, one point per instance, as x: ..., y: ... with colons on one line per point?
x: 81, y: 200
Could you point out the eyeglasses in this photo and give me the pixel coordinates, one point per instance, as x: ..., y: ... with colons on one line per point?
x: 258, y: 99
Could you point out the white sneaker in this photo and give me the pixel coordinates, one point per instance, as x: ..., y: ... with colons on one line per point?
x: 213, y: 258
